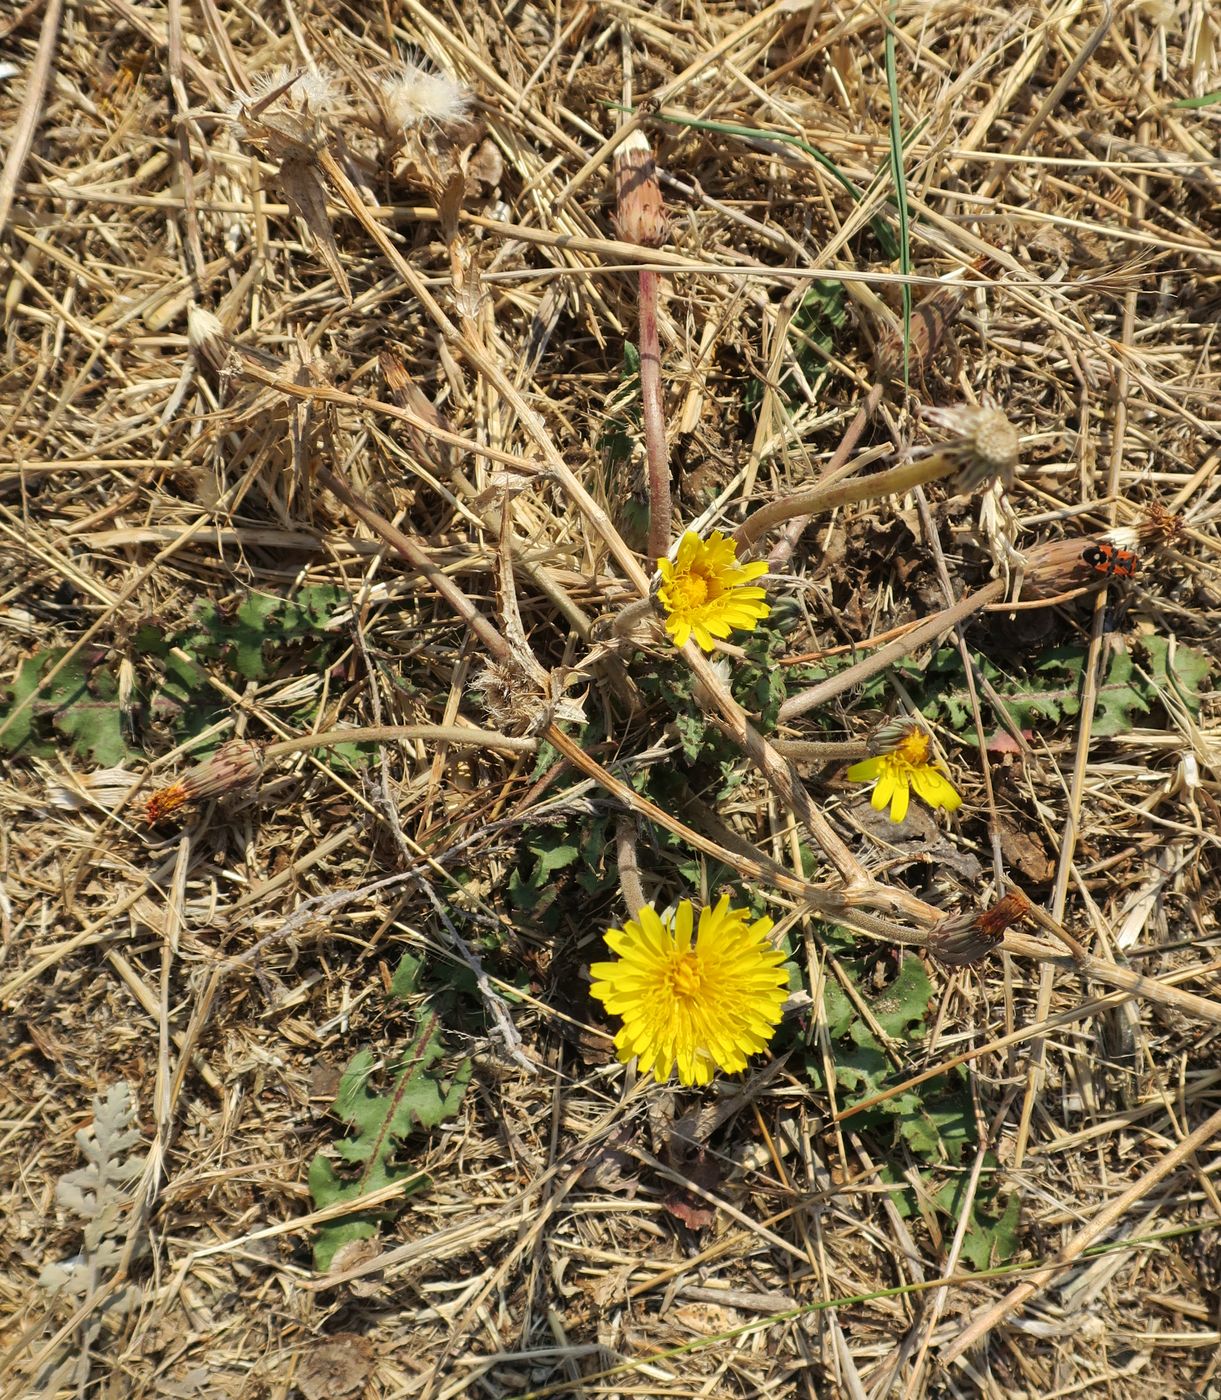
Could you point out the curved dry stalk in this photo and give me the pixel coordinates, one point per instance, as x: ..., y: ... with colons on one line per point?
x: 653, y: 415
x: 630, y: 887
x: 390, y: 733
x: 815, y: 751
x: 782, y: 551
x: 778, y: 772
x: 832, y: 495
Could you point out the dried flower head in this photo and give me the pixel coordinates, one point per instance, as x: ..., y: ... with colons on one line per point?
x: 705, y: 592
x: 985, y: 442
x: 1064, y: 566
x: 1157, y: 529
x: 207, y: 338
x: 964, y: 939
x: 234, y: 766
x: 640, y: 215
x: 284, y: 112
x: 701, y: 1005
x: 905, y: 765
x: 518, y: 703
x: 414, y: 96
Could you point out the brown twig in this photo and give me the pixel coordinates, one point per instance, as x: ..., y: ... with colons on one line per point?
x: 893, y: 651
x: 653, y: 414
x: 21, y: 136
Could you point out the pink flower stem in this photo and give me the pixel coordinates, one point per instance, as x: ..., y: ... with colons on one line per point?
x: 654, y: 419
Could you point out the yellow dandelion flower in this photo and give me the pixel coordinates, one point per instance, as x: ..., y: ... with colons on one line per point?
x: 904, y: 767
x: 702, y: 1005
x: 706, y: 592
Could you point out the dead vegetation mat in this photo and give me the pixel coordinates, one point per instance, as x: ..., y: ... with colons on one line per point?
x: 316, y: 424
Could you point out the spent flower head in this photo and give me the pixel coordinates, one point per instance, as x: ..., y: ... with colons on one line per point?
x: 233, y: 767
x: 904, y: 765
x: 414, y: 96
x: 706, y: 593
x: 285, y: 111
x: 985, y: 443
x: 963, y: 939
x: 702, y: 1003
x: 640, y: 214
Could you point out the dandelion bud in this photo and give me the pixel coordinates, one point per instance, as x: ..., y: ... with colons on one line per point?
x: 969, y: 938
x: 888, y: 735
x: 640, y: 215
x: 414, y: 96
x: 234, y: 766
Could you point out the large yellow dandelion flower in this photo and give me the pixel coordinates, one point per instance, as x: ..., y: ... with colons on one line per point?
x: 702, y: 1005
x: 706, y: 593
x: 904, y: 767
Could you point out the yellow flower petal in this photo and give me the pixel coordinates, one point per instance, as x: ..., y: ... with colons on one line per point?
x: 898, y: 803
x: 884, y: 791
x: 901, y: 769
x: 865, y: 771
x: 936, y: 789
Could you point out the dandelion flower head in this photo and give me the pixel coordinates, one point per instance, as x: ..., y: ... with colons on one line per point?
x: 699, y: 1004
x: 706, y: 592
x: 904, y: 767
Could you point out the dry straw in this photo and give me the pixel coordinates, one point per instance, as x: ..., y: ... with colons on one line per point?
x: 276, y: 320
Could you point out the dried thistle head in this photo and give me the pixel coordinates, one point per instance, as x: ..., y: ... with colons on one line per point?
x: 640, y: 215
x: 285, y: 112
x: 414, y: 97
x: 984, y: 441
x: 234, y: 766
x: 207, y: 338
x: 964, y: 939
x: 510, y: 698
x: 286, y: 115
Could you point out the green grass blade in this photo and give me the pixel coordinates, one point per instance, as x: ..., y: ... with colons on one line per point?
x: 881, y: 230
x: 900, y: 182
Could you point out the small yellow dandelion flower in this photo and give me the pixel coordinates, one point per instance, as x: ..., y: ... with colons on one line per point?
x: 705, y: 591
x: 703, y: 1005
x: 904, y: 767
